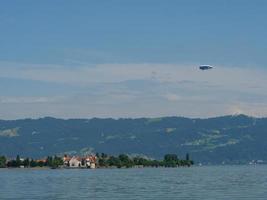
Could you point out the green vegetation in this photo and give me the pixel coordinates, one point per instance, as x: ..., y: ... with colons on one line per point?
x: 2, y: 161
x: 123, y: 160
x: 228, y: 139
x: 54, y: 162
x: 51, y: 161
x: 104, y: 161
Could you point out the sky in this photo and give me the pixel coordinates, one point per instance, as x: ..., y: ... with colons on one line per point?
x: 132, y: 58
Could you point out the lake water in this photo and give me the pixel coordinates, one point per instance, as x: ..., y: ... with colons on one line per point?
x: 207, y: 183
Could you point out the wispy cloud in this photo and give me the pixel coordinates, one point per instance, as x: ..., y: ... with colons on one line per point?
x: 29, y: 100
x: 224, y: 76
x: 172, y: 97
x: 136, y: 90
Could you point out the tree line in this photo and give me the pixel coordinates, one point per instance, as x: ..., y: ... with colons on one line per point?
x: 123, y: 160
x: 50, y: 161
x: 103, y: 161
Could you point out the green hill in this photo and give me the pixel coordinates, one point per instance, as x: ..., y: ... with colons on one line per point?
x: 230, y: 139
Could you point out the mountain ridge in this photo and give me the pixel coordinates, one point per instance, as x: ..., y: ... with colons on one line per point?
x: 228, y: 139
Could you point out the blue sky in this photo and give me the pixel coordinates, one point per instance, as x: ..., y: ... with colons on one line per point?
x: 132, y: 58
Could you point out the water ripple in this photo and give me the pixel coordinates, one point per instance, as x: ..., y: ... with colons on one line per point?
x: 209, y: 183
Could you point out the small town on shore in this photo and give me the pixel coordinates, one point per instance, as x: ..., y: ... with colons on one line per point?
x: 94, y: 161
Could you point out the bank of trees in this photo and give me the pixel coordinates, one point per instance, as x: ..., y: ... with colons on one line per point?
x: 123, y: 160
x: 51, y: 161
x: 54, y: 161
x: 104, y: 160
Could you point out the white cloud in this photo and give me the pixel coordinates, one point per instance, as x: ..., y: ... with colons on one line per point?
x: 222, y: 76
x: 172, y: 97
x: 28, y: 100
x: 136, y: 90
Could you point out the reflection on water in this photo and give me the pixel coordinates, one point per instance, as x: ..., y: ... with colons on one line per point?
x: 213, y: 182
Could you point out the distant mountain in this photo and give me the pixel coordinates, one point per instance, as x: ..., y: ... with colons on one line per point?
x: 230, y: 139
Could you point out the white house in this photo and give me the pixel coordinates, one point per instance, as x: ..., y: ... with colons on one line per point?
x: 75, y: 162
x: 90, y: 162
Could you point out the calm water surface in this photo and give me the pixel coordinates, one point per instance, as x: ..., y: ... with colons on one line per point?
x: 207, y: 183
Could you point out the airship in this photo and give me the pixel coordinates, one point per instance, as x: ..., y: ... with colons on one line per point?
x: 205, y: 67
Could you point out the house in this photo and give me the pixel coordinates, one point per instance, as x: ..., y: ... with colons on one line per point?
x: 80, y: 162
x: 92, y: 166
x: 66, y: 160
x: 90, y: 161
x: 75, y: 161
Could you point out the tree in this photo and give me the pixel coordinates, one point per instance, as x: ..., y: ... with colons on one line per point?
x: 26, y: 162
x: 114, y: 161
x: 49, y: 161
x: 56, y: 161
x: 33, y: 163
x: 2, y: 161
x: 18, y: 161
x: 12, y: 163
x: 41, y: 163
x: 171, y: 160
x: 125, y: 160
x: 188, y: 161
x: 187, y: 157
x: 170, y: 157
x: 103, y: 155
x: 102, y: 162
